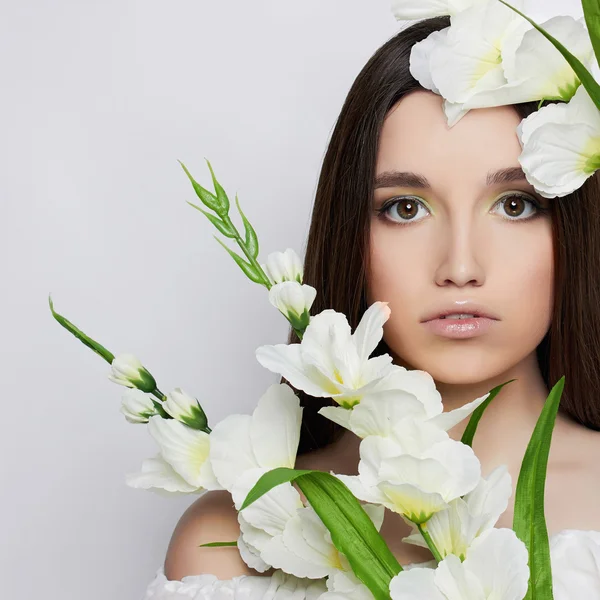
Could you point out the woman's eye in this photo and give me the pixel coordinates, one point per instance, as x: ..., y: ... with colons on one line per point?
x: 402, y: 210
x: 511, y: 207
x: 516, y: 207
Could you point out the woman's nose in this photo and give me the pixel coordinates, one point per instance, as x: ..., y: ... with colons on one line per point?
x: 460, y: 251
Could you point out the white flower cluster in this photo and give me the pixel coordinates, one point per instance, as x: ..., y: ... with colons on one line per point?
x: 491, y: 56
x: 408, y: 462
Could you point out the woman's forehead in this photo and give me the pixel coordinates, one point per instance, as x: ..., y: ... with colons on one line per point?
x: 416, y: 137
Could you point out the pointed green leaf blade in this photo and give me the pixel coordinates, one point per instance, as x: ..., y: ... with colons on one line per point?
x: 208, y: 199
x: 352, y: 530
x: 222, y: 198
x: 251, y: 240
x: 245, y: 266
x: 471, y: 428
x: 591, y: 10
x: 217, y: 544
x: 529, y: 520
x: 272, y: 479
x: 88, y: 341
x: 220, y: 225
x: 586, y: 78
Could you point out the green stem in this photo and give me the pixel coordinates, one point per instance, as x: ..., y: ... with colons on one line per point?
x: 430, y: 543
x: 251, y: 259
x: 240, y: 242
x: 159, y: 395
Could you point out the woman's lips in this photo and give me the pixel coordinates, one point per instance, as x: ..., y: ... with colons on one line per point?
x: 460, y: 328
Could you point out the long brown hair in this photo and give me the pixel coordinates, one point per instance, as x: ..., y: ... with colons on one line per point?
x: 337, y: 248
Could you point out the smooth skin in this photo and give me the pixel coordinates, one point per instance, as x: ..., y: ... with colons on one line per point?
x: 448, y: 236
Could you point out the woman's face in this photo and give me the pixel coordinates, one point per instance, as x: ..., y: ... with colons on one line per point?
x: 462, y: 228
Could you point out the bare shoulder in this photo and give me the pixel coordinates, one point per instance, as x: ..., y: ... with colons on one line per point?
x: 573, y: 486
x: 211, y: 518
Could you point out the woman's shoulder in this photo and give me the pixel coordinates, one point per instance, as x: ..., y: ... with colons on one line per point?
x: 211, y: 518
x: 573, y: 480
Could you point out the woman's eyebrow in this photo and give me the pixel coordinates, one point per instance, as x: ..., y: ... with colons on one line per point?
x: 400, y: 179
x: 389, y: 179
x: 505, y: 176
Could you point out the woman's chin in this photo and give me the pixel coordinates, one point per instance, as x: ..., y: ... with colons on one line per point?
x: 462, y: 366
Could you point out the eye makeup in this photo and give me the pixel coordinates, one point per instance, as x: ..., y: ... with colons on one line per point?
x: 414, y: 202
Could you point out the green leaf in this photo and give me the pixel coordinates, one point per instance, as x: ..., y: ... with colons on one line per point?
x: 221, y: 195
x: 251, y: 237
x: 88, y: 341
x: 352, y: 531
x: 216, y: 221
x: 208, y: 198
x: 469, y: 433
x: 586, y: 78
x: 217, y: 544
x: 529, y: 521
x: 591, y: 10
x: 248, y: 269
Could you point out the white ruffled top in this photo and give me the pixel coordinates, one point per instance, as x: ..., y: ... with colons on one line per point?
x: 278, y: 586
x: 575, y: 569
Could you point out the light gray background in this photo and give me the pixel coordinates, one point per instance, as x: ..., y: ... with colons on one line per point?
x: 98, y: 101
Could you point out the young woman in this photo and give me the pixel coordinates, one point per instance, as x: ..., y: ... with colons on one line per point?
x: 435, y: 221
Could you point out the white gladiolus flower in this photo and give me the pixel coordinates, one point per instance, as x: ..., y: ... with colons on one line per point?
x: 467, y: 58
x: 262, y: 525
x: 137, y: 406
x: 422, y: 9
x: 294, y: 301
x: 402, y: 394
x: 243, y: 448
x: 250, y: 445
x: 535, y: 69
x: 330, y: 361
x: 305, y: 548
x: 454, y: 529
x: 561, y: 145
x: 184, y: 408
x: 576, y: 564
x: 490, y: 56
x: 276, y: 530
x: 416, y: 471
x: 283, y: 266
x: 495, y: 567
x: 186, y: 450
x: 127, y: 370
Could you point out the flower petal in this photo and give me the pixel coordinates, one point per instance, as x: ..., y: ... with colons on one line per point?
x: 415, y: 584
x: 157, y: 475
x: 420, y: 56
x: 369, y: 331
x: 409, y: 500
x: 555, y: 157
x: 231, y: 453
x: 498, y: 558
x: 378, y: 413
x: 576, y: 564
x: 186, y: 450
x: 457, y: 582
x: 447, y: 420
x: 337, y: 414
x: 275, y: 428
x: 286, y: 360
